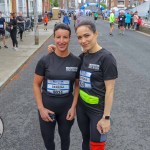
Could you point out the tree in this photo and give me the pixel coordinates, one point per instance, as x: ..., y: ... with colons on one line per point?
x: 55, y: 4
x: 103, y: 4
x: 51, y: 2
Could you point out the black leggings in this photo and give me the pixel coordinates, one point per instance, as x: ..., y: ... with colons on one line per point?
x: 21, y: 33
x: 87, y: 121
x: 60, y: 106
x: 13, y: 35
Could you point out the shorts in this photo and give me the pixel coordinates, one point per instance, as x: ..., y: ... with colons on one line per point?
x: 45, y: 24
x: 121, y: 24
x: 95, y: 18
x: 111, y: 24
x: 2, y: 32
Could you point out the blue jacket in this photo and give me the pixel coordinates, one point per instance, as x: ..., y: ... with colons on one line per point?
x: 66, y: 20
x: 128, y: 18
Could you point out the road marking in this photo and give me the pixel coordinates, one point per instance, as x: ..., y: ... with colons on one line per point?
x: 1, y: 127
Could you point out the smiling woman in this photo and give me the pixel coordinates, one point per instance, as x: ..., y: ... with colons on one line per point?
x: 58, y: 74
x: 1, y: 127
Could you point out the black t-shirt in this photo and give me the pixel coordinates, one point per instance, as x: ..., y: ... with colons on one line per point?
x: 2, y: 21
x: 95, y: 69
x: 59, y: 73
x: 121, y: 18
x: 20, y: 18
x: 13, y: 22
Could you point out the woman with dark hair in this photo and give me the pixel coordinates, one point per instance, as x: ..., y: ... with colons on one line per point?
x: 56, y: 103
x: 13, y: 30
x: 97, y: 81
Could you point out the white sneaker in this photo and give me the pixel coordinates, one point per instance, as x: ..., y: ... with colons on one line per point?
x: 16, y: 49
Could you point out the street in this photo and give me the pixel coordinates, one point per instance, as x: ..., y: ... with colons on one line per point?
x: 131, y: 108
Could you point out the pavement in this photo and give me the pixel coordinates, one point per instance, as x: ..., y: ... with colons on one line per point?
x: 11, y: 60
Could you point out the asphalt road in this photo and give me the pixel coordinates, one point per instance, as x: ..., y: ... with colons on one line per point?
x: 131, y: 120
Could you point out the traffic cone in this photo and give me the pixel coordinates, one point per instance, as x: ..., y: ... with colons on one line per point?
x: 97, y: 145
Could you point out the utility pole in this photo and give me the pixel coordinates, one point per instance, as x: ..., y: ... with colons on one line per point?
x: 36, y: 30
x: 99, y: 9
x: 27, y: 8
x: 109, y: 4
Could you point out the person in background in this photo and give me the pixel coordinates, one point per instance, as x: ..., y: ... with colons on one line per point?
x: 74, y: 18
x: 45, y: 20
x: 121, y: 22
x: 132, y: 14
x: 59, y: 16
x: 95, y: 16
x: 66, y: 19
x: 2, y: 29
x: 50, y: 15
x: 135, y: 20
x: 13, y: 31
x: 139, y: 23
x: 21, y: 24
x: 112, y: 21
x: 128, y: 21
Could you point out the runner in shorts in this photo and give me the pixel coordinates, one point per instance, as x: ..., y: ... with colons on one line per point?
x: 112, y: 21
x: 121, y: 23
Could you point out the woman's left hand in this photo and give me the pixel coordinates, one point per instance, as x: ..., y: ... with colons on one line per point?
x: 71, y: 114
x: 103, y: 126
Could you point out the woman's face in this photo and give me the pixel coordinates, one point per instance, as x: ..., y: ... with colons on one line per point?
x: 86, y: 38
x: 62, y: 39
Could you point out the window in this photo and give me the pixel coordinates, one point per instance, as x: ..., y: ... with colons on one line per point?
x: 120, y: 2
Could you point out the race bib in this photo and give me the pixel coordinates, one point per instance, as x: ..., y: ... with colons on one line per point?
x: 58, y: 87
x: 85, y: 79
x: 1, y: 26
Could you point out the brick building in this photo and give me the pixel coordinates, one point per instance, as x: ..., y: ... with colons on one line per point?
x: 124, y: 3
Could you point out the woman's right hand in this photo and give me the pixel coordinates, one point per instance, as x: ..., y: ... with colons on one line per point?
x: 44, y: 112
x: 51, y: 48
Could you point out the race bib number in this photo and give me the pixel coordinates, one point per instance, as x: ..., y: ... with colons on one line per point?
x: 58, y: 87
x: 85, y: 79
x: 1, y: 26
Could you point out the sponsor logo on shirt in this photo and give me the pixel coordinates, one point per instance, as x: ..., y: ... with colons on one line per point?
x: 94, y: 66
x: 73, y: 69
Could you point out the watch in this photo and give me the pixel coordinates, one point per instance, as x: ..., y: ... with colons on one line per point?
x: 107, y: 117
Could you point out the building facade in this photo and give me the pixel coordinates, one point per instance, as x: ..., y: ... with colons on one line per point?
x: 123, y: 4
x: 26, y: 6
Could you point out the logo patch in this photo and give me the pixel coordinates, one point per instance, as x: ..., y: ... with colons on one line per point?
x: 73, y: 69
x: 94, y: 66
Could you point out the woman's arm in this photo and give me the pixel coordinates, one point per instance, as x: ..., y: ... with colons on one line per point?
x: 103, y: 125
x: 38, y: 97
x: 109, y: 84
x: 71, y: 112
